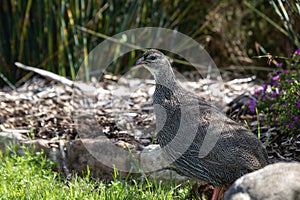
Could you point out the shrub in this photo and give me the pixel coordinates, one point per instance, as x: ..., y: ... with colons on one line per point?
x: 279, y: 99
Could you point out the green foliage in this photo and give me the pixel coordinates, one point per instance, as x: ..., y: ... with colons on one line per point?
x: 279, y: 99
x: 288, y: 12
x: 49, y: 34
x: 31, y: 177
x: 58, y: 35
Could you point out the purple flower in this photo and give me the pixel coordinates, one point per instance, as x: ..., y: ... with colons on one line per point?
x: 283, y: 71
x: 277, y: 90
x: 275, y: 118
x: 291, y: 126
x: 265, y: 86
x: 273, y: 94
x: 258, y: 91
x: 290, y: 80
x: 297, y: 51
x: 261, y: 116
x: 264, y: 97
x: 279, y: 64
x: 271, y: 107
x: 298, y: 104
x: 275, y: 78
x: 252, y: 104
x: 296, y: 119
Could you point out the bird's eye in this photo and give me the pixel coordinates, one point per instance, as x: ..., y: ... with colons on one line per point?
x: 152, y: 57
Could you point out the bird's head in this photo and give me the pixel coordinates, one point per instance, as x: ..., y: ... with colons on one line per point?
x: 155, y: 61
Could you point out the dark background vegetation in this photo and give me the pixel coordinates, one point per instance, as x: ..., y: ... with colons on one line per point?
x: 49, y: 34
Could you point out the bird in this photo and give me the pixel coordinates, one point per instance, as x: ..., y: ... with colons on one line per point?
x: 235, y: 152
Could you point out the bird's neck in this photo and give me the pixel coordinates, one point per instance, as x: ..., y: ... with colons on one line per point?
x: 167, y: 96
x: 166, y: 78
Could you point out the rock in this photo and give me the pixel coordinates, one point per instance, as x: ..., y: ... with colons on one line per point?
x: 168, y: 175
x: 20, y: 140
x: 154, y: 164
x: 152, y: 159
x: 276, y: 181
x: 80, y: 159
x: 99, y: 155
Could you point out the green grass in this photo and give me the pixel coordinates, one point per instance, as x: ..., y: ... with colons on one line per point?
x: 31, y: 176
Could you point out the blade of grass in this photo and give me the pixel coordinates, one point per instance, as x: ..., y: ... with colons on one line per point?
x: 24, y: 29
x: 282, y: 13
x: 258, y: 123
x: 7, y: 81
x: 85, y: 45
x: 83, y: 29
x: 273, y: 23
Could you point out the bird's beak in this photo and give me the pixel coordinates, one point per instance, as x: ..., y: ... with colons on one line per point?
x: 140, y: 61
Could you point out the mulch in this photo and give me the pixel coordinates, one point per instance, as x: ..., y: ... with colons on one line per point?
x: 42, y: 108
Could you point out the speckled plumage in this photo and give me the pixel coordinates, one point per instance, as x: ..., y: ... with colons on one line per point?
x: 237, y: 150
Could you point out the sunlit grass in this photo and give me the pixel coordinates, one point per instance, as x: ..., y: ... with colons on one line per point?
x: 31, y: 176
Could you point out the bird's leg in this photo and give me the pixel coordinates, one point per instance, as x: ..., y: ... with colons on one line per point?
x: 200, y: 188
x: 217, y: 193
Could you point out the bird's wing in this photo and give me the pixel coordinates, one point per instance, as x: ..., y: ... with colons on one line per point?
x: 235, y: 147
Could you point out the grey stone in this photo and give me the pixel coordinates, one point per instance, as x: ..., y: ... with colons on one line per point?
x: 280, y: 181
x: 155, y: 165
x: 80, y: 159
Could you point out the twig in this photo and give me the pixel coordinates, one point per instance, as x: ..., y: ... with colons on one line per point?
x: 87, y: 89
x: 242, y: 80
x: 47, y: 74
x: 13, y: 130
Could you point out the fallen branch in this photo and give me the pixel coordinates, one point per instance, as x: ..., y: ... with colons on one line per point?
x: 3, y: 129
x: 87, y: 89
x: 47, y: 74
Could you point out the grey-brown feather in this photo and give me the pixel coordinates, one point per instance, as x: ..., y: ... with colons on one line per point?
x: 237, y: 150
